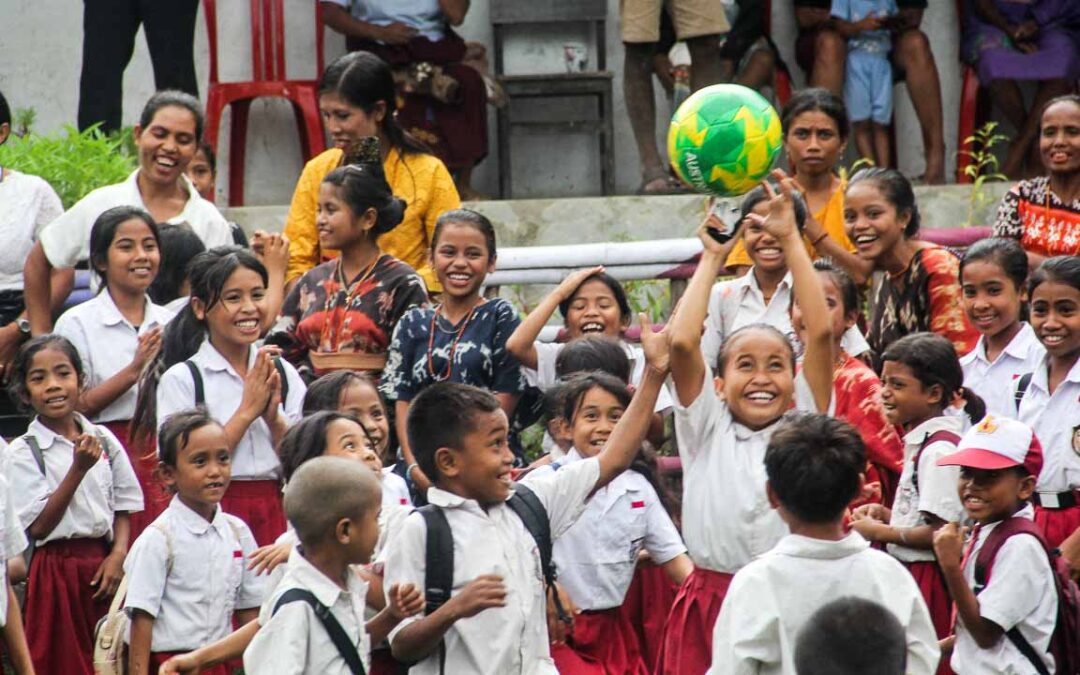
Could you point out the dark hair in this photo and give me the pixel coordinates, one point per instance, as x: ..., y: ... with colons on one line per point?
x: 363, y: 79
x: 813, y: 463
x: 176, y: 429
x: 363, y: 187
x: 581, y: 383
x: 179, y: 245
x: 211, y: 158
x: 815, y: 99
x: 553, y: 402
x: 898, y: 192
x: 307, y: 440
x: 616, y: 290
x: 722, y: 357
x: 5, y: 110
x: 593, y: 353
x: 441, y: 416
x: 20, y: 367
x: 758, y: 195
x: 851, y: 636
x: 1065, y: 98
x: 104, y: 231
x: 324, y: 394
x: 171, y: 98
x: 1006, y: 253
x: 849, y: 290
x: 933, y: 361
x: 477, y: 221
x: 1062, y: 269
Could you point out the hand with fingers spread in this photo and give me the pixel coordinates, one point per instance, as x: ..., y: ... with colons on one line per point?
x: 257, y: 390
x: 655, y: 344
x: 570, y: 284
x: 272, y: 250
x: 265, y: 559
x: 780, y: 222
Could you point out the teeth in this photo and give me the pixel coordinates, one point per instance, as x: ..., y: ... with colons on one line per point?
x: 56, y: 399
x: 769, y: 251
x: 761, y: 396
x: 592, y: 327
x: 865, y: 238
x: 460, y: 277
x: 247, y: 323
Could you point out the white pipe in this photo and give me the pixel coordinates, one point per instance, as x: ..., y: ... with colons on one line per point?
x: 669, y: 251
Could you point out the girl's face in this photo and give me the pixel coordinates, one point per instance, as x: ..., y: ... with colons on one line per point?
x: 596, y: 416
x: 763, y: 248
x: 1059, y: 140
x: 236, y: 318
x: 345, y: 438
x: 203, y: 469
x: 461, y: 259
x: 362, y: 401
x: 1055, y: 316
x: 337, y: 224
x: 201, y: 175
x: 758, y: 381
x: 52, y: 383
x: 347, y: 123
x: 841, y: 320
x: 871, y: 220
x: 133, y: 257
x: 907, y: 402
x: 991, y: 300
x: 813, y: 143
x: 167, y: 145
x: 594, y: 310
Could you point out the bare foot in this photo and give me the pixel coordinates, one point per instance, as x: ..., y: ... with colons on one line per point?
x: 468, y: 194
x: 657, y: 186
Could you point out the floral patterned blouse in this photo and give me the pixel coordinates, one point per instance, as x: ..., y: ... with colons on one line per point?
x: 472, y: 352
x: 1033, y: 214
x: 924, y: 297
x: 323, y: 314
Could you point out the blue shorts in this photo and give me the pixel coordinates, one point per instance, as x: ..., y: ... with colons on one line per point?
x: 868, y: 87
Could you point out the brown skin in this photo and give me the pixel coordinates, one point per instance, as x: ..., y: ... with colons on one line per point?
x: 14, y: 638
x: 992, y: 303
x: 1059, y: 149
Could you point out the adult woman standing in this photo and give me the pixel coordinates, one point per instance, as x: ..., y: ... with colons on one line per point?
x: 1044, y: 213
x: 356, y: 96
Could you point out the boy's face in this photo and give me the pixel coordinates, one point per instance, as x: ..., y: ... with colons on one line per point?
x: 201, y: 175
x: 363, y: 534
x: 480, y: 468
x: 990, y: 495
x: 203, y: 469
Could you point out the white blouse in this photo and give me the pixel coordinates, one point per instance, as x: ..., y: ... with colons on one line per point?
x: 27, y: 204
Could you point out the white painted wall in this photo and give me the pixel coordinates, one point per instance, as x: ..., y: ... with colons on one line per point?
x: 40, y: 56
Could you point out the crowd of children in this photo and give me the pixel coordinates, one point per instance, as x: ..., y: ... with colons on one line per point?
x: 324, y: 478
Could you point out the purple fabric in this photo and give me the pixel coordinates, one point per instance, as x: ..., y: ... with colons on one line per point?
x: 995, y: 58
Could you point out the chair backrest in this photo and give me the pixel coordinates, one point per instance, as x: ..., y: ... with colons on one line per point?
x: 267, y: 39
x: 547, y: 11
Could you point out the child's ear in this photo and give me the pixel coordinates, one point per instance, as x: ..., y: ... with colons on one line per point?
x: 718, y: 386
x: 774, y: 501
x: 936, y: 395
x: 368, y: 220
x: 198, y: 308
x: 1027, y: 488
x: 167, y: 475
x: 851, y: 318
x: 343, y: 530
x: 446, y: 463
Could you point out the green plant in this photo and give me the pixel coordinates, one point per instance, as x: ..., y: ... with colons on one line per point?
x: 979, y: 147
x: 73, y: 162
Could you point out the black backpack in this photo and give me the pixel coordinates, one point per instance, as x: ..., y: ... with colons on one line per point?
x: 439, y: 554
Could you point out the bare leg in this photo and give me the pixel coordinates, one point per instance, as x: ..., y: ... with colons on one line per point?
x: 1008, y: 98
x: 864, y: 140
x: 640, y: 106
x: 1014, y: 160
x: 914, y: 56
x: 759, y: 71
x: 705, y: 66
x: 463, y: 182
x: 881, y: 145
x: 830, y: 50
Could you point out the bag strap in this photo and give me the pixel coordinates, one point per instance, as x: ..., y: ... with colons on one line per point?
x: 337, y: 634
x: 534, y: 516
x: 120, y: 596
x: 1021, y: 643
x: 196, y: 376
x: 35, y: 450
x: 1021, y: 388
x: 940, y: 435
x: 438, y: 566
x: 284, y: 379
x: 168, y: 544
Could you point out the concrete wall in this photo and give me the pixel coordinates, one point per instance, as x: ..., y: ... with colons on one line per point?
x: 40, y: 56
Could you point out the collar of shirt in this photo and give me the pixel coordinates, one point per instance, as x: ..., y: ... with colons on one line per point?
x: 321, y: 586
x: 211, y: 359
x: 1026, y: 511
x: 111, y: 314
x: 195, y: 523
x: 1018, y: 347
x: 798, y: 546
x: 193, y: 195
x: 1041, y: 377
x: 941, y: 423
x: 46, y: 436
x: 748, y: 283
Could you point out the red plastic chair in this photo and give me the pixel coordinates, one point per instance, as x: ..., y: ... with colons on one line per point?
x: 268, y: 79
x: 782, y: 79
x: 971, y: 108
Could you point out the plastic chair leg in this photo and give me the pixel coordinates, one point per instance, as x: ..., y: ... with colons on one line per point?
x: 238, y: 150
x: 309, y: 124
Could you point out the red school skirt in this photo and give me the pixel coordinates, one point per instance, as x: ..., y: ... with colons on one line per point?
x: 931, y: 584
x: 646, y: 606
x: 570, y: 662
x: 1057, y: 524
x: 608, y: 637
x: 61, y: 613
x: 144, y: 461
x: 158, y: 659
x: 688, y: 635
x: 257, y: 503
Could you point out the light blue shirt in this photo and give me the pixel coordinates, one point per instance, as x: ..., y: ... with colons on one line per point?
x: 876, y: 41
x: 423, y: 15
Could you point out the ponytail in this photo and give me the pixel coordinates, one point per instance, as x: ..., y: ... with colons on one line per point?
x: 974, y: 406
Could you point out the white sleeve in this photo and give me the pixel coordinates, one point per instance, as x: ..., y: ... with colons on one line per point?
x: 564, y: 492
x: 176, y: 392
x: 146, y: 568
x: 696, y: 423
x: 854, y: 342
x: 33, y: 488
x: 546, y: 353
x: 804, y: 397
x: 406, y: 556
x: 747, y: 632
x: 14, y: 538
x: 281, y: 645
x: 1021, y: 577
x: 937, y: 484
x: 662, y: 540
x: 923, y: 651
x: 49, y: 209
x: 294, y: 407
x: 713, y: 336
x: 252, y: 586
x: 127, y: 494
x: 66, y: 239
x: 72, y: 328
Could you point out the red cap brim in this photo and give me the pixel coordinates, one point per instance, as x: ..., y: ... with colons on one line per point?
x: 977, y: 458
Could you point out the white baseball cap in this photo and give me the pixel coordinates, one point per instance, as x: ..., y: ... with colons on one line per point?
x: 998, y: 443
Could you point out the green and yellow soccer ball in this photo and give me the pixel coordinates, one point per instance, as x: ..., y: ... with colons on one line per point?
x: 723, y: 139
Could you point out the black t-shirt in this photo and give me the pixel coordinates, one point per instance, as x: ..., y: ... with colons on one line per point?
x: 826, y: 4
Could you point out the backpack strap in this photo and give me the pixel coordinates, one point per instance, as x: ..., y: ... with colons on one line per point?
x: 196, y: 376
x: 35, y: 451
x: 329, y: 622
x: 534, y: 516
x: 438, y: 566
x: 284, y: 379
x: 940, y: 435
x: 169, y: 557
x: 1022, y: 385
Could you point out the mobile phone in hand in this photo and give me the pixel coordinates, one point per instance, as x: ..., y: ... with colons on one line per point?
x: 724, y: 220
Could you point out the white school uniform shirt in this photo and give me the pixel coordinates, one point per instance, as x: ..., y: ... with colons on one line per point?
x: 12, y: 538
x: 597, y: 556
x: 772, y: 598
x: 66, y: 240
x: 937, y: 493
x: 293, y: 640
x: 107, y: 342
x: 726, y: 517
x: 29, y: 204
x: 395, y: 491
x: 1020, y: 594
x: 739, y: 302
x: 108, y: 487
x: 996, y: 382
x: 191, y: 574
x: 510, y: 640
x: 254, y: 457
x: 1054, y: 419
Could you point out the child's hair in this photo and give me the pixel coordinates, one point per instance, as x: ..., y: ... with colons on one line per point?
x: 477, y: 221
x: 897, y: 191
x: 104, y: 231
x: 616, y: 290
x: 363, y: 186
x: 1062, y: 269
x: 593, y: 352
x: 849, y: 290
x: 758, y: 195
x: 815, y: 99
x: 933, y: 361
x: 179, y: 245
x: 211, y: 159
x: 1006, y: 253
x: 813, y: 463
x: 441, y: 416
x: 177, y: 429
x: 325, y: 392
x: 307, y: 440
x: 5, y: 110
x: 169, y: 98
x: 20, y: 367
x: 725, y: 348
x: 581, y: 383
x: 554, y: 401
x: 851, y: 636
x: 323, y: 491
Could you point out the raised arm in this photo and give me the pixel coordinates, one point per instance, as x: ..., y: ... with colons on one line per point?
x: 521, y: 342
x: 37, y: 290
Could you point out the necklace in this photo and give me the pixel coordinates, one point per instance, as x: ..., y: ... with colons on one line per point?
x: 445, y: 375
x: 341, y: 308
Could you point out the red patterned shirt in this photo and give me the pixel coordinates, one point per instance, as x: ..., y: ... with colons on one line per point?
x: 857, y: 393
x: 1044, y: 224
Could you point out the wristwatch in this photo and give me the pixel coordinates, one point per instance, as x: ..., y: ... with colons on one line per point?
x: 24, y: 327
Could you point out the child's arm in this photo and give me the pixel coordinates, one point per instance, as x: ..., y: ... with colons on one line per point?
x: 228, y: 648
x: 272, y: 414
x: 678, y: 568
x: 521, y: 342
x: 87, y: 453
x: 97, y: 399
x: 142, y: 630
x: 14, y: 637
x: 420, y: 638
x: 949, y: 548
x: 920, y: 536
x: 405, y: 601
x: 273, y: 251
x: 265, y: 559
x: 111, y: 571
x: 401, y: 415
